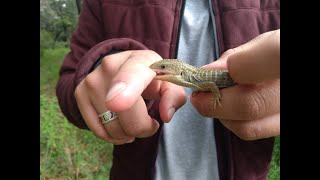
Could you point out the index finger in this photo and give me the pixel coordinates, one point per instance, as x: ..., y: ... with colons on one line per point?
x: 130, y: 81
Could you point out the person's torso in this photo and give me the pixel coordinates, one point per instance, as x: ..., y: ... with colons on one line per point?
x: 187, y: 147
x: 155, y: 23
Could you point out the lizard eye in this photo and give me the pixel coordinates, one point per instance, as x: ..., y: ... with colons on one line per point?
x: 162, y: 66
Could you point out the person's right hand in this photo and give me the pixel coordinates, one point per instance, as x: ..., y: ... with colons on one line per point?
x: 120, y: 84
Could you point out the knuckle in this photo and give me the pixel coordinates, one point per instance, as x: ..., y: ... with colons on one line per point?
x: 118, y: 142
x: 246, y: 133
x: 116, y: 132
x: 105, y: 63
x: 80, y: 89
x: 91, y: 82
x: 107, y: 66
x: 100, y: 135
x: 130, y: 130
x: 135, y: 131
x: 77, y: 92
x: 230, y: 51
x: 146, y: 130
x: 255, y: 107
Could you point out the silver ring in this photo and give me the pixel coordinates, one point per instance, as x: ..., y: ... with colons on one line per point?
x: 108, y: 116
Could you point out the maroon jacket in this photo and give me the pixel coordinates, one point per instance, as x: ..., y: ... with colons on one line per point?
x: 110, y: 25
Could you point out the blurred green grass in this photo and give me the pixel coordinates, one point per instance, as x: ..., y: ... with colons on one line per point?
x: 67, y: 152
x: 50, y: 62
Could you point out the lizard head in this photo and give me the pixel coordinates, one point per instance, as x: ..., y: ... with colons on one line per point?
x: 167, y: 68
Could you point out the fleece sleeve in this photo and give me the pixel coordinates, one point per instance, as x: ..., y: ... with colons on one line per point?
x: 87, y: 45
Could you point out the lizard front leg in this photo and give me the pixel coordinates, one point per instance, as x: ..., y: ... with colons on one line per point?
x: 211, y: 86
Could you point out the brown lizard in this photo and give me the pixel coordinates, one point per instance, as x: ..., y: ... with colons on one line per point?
x: 183, y: 74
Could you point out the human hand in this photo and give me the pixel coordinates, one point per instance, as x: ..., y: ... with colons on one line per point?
x: 120, y: 84
x: 250, y: 109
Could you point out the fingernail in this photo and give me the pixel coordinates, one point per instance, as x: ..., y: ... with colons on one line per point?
x: 115, y: 90
x: 171, y: 112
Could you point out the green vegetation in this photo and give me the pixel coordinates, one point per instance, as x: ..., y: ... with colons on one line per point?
x: 67, y: 152
x: 50, y: 62
x: 274, y: 173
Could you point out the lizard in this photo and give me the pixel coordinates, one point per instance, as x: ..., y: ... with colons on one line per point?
x: 180, y: 73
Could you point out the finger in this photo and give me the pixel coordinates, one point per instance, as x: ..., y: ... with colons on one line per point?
x: 119, y: 141
x: 152, y: 91
x: 257, y: 129
x: 136, y: 121
x: 111, y: 64
x: 172, y: 98
x: 220, y: 63
x: 96, y: 85
x: 257, y: 60
x: 241, y: 102
x: 115, y: 131
x: 132, y: 78
x: 91, y: 118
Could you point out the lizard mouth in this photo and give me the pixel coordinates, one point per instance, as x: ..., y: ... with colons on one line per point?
x: 165, y: 76
x: 161, y: 74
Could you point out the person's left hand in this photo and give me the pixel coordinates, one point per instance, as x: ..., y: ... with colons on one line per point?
x: 250, y: 109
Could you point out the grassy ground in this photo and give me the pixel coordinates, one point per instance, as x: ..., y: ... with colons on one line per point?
x: 70, y: 153
x: 65, y: 151
x: 50, y: 62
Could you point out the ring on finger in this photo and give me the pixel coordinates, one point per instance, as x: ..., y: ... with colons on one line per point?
x: 107, y: 117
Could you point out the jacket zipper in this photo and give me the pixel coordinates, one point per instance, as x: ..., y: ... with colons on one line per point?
x: 180, y: 24
x: 215, y: 36
x: 226, y: 136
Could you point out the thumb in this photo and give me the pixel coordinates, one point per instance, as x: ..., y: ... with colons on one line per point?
x: 257, y: 60
x: 220, y: 63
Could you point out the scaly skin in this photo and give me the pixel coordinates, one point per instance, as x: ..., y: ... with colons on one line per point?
x: 183, y: 74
